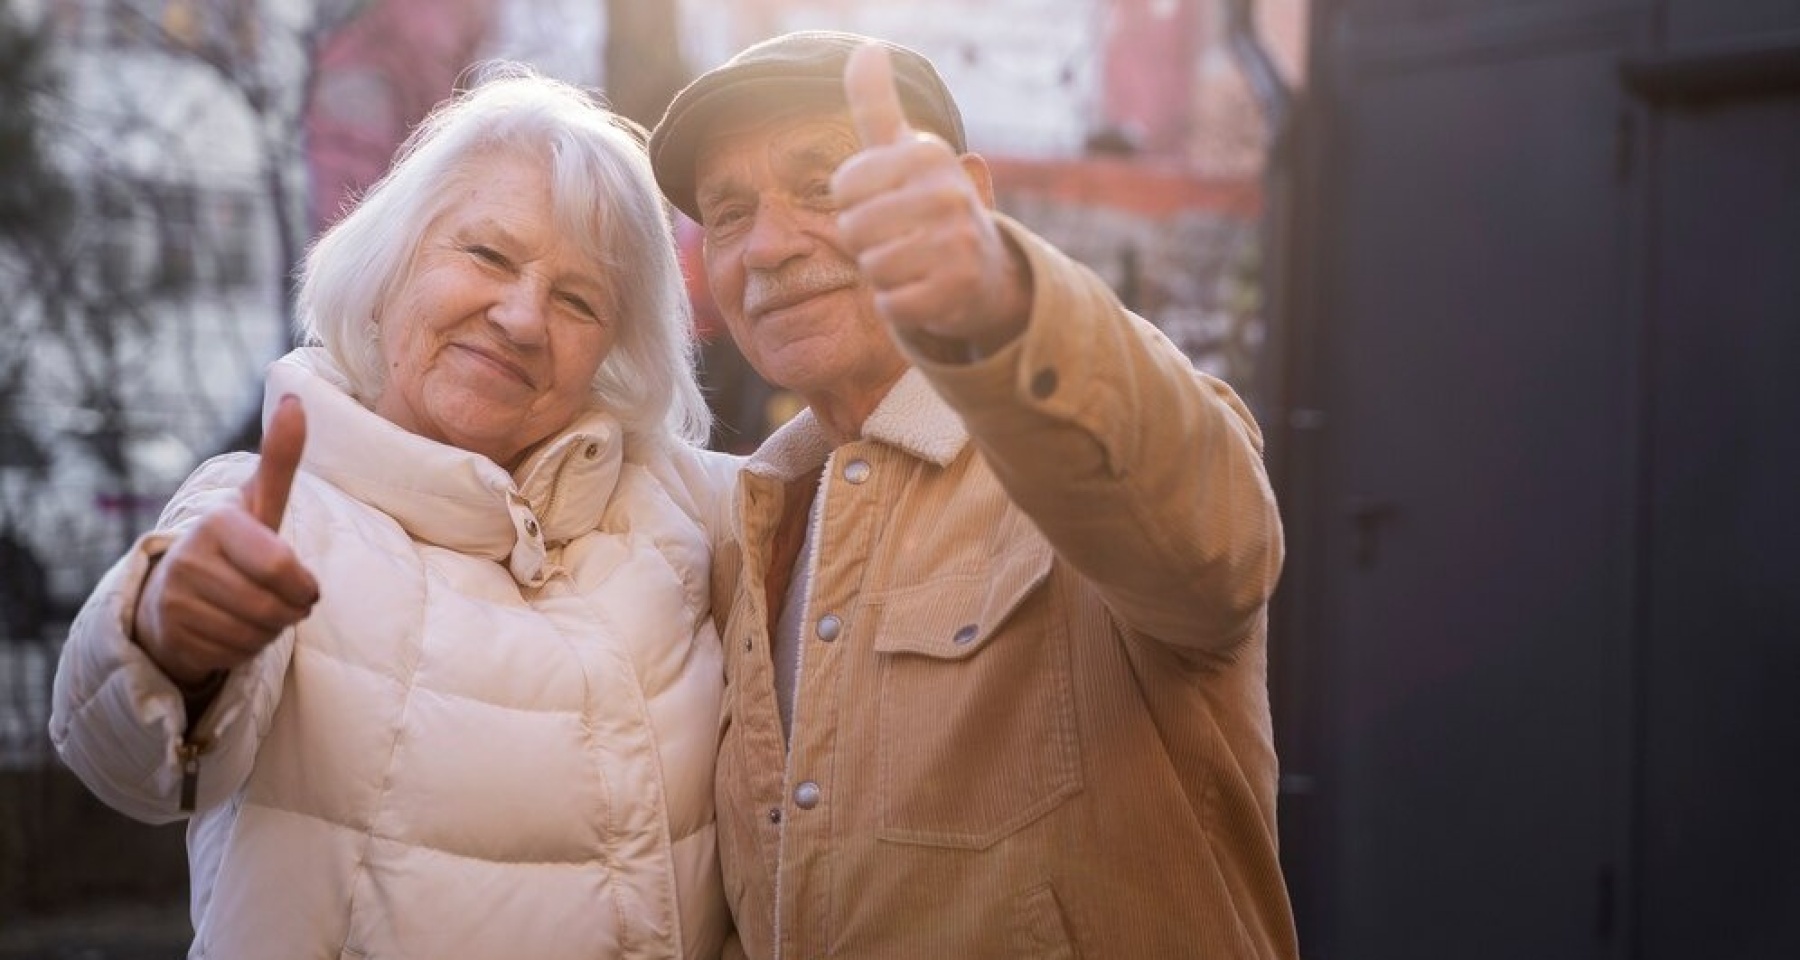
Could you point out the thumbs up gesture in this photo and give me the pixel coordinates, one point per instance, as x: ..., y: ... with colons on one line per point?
x: 229, y: 584
x: 917, y: 218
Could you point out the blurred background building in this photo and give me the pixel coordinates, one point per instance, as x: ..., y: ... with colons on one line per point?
x: 1511, y: 285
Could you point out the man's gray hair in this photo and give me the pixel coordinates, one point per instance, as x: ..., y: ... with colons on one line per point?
x: 605, y: 201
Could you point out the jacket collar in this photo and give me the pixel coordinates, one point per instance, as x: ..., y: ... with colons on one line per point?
x: 447, y: 496
x: 912, y: 417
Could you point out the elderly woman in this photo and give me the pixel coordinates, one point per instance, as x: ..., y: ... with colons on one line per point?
x: 460, y: 697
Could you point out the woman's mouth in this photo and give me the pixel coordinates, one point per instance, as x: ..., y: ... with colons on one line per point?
x: 497, y: 360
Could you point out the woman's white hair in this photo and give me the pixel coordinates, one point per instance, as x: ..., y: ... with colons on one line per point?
x: 605, y: 201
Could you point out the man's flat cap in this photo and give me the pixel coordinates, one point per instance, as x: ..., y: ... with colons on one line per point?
x: 798, y: 69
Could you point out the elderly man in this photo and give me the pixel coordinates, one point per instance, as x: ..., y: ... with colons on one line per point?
x: 996, y: 642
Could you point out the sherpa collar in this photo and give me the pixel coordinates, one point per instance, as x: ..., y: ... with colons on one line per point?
x: 912, y: 417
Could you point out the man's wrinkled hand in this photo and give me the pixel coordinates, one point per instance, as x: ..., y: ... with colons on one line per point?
x: 919, y: 227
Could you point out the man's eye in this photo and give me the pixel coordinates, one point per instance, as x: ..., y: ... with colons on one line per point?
x: 727, y: 222
x: 818, y: 198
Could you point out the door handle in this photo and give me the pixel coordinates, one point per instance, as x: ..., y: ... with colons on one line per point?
x: 1367, y: 515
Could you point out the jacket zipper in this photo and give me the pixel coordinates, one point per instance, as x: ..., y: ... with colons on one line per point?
x: 189, y: 752
x: 556, y: 489
x: 543, y: 516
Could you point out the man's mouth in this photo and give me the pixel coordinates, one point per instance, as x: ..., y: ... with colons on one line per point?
x: 767, y: 293
x: 783, y: 302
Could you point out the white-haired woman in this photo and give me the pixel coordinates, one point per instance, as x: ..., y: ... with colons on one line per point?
x: 436, y: 675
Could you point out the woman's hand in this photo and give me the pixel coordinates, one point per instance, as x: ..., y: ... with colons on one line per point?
x: 229, y: 585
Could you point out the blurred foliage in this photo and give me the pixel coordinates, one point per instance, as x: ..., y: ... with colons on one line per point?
x: 34, y: 199
x: 35, y: 202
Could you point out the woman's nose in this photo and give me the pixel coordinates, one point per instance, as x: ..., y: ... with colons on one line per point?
x: 522, y: 312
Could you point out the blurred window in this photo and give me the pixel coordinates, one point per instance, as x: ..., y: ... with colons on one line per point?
x: 127, y: 25
x: 229, y: 220
x: 67, y: 17
x: 120, y: 251
x: 176, y: 227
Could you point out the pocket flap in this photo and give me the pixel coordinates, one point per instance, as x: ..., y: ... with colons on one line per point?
x: 951, y: 618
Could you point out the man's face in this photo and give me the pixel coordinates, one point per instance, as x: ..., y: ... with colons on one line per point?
x: 787, y: 288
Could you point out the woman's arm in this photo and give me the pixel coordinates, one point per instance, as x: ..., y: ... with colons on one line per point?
x: 175, y: 663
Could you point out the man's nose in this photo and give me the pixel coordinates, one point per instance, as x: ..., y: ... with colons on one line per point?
x: 522, y: 312
x: 777, y: 234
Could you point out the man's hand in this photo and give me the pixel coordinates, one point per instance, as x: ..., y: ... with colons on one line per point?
x: 921, y: 232
x: 229, y: 585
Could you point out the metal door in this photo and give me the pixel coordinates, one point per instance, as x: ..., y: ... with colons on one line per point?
x: 1718, y: 712
x: 1543, y: 482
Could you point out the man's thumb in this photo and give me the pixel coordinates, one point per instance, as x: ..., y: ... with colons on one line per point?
x: 873, y: 98
x: 283, y: 440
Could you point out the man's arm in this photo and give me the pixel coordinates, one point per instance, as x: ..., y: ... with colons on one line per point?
x: 1144, y: 474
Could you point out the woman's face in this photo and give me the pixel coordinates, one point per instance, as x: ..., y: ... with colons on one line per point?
x: 493, y: 342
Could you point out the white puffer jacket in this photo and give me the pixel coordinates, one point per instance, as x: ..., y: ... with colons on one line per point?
x: 493, y: 738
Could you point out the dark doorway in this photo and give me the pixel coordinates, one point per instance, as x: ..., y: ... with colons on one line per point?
x: 1543, y: 460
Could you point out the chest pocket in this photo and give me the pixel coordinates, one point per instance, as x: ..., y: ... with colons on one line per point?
x: 976, y: 710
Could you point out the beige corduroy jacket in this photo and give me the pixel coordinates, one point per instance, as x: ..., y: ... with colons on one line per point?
x: 1032, y: 718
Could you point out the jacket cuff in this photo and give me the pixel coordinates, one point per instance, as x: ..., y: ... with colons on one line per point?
x: 1049, y: 365
x: 101, y: 634
x: 116, y: 718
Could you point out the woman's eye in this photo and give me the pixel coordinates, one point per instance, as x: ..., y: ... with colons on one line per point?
x: 486, y: 254
x: 580, y: 306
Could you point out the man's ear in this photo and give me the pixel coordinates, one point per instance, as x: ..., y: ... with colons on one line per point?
x: 983, y: 178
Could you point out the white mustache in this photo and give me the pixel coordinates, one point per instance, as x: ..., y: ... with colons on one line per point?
x: 766, y: 290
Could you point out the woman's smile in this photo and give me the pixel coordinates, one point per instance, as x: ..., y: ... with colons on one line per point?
x: 494, y: 360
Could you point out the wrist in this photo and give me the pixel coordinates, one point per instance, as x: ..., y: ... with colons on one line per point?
x: 960, y: 350
x: 195, y: 698
x: 1011, y: 312
x: 146, y: 633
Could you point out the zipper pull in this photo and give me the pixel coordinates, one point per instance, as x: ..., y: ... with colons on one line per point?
x: 190, y: 774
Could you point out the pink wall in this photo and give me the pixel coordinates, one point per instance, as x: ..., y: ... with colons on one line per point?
x: 377, y: 77
x: 1147, y: 77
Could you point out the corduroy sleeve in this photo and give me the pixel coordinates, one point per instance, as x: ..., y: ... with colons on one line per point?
x: 1145, y: 474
